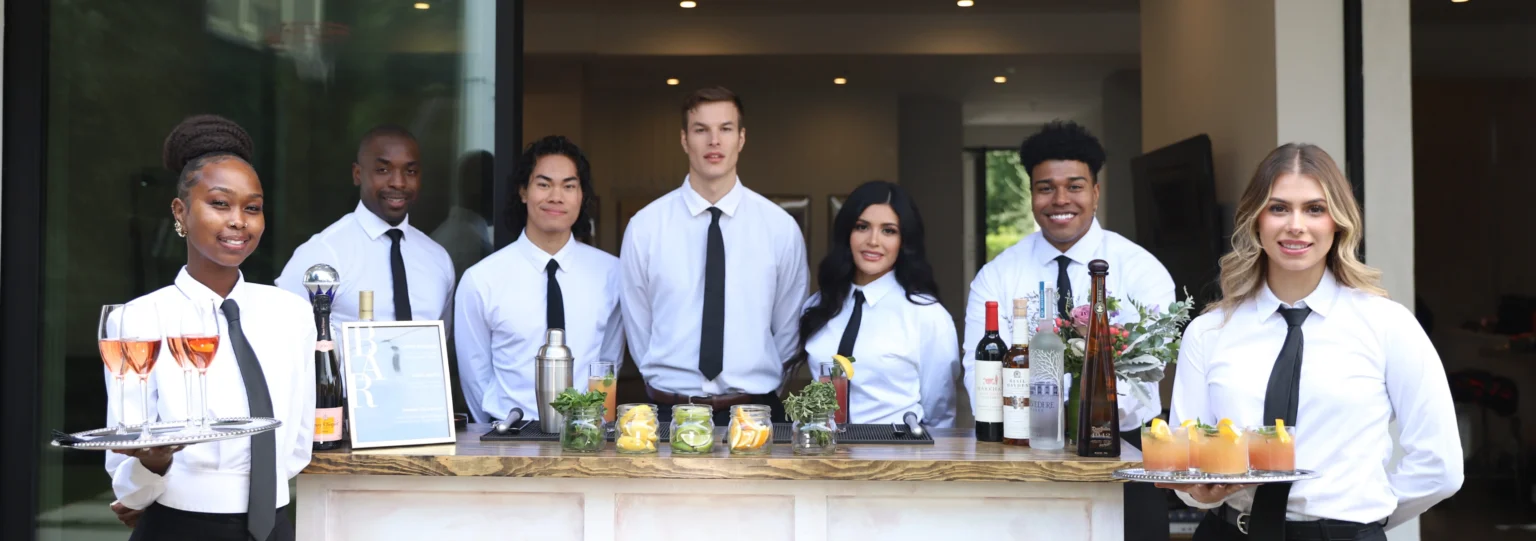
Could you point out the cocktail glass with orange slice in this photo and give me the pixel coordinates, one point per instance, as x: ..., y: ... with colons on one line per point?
x: 1272, y: 448
x: 1164, y: 448
x: 1221, y: 450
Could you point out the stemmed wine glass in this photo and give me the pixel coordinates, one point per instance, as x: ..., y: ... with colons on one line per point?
x: 109, y: 342
x: 200, y: 331
x: 176, y: 341
x: 141, y: 338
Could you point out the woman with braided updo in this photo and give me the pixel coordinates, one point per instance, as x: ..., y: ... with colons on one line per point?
x: 233, y: 489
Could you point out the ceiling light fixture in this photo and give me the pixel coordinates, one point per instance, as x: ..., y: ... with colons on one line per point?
x: 1458, y: 1
x: 423, y: 5
x: 965, y: 3
x: 688, y: 4
x: 839, y: 81
x: 999, y: 79
x: 673, y: 82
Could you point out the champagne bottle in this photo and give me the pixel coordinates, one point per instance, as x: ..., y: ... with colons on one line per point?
x: 365, y: 306
x: 1046, y: 353
x: 1098, y: 421
x: 989, y: 385
x: 1016, y: 379
x: 328, y: 399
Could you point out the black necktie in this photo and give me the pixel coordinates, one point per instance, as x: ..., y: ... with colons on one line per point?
x: 712, y: 340
x: 1063, y: 288
x: 851, y: 332
x: 397, y: 271
x: 554, y: 302
x: 1280, y: 402
x: 261, y: 508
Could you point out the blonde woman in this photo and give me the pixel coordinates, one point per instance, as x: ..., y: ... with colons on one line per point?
x: 1305, y: 334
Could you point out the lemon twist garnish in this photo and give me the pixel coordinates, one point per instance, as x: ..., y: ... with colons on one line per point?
x: 845, y: 363
x: 1159, y: 430
x: 1189, y: 429
x: 1285, y: 437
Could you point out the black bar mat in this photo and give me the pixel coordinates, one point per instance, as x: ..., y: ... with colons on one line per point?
x: 531, y: 432
x: 882, y: 434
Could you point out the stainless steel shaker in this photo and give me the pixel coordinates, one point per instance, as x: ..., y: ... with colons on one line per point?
x: 552, y: 373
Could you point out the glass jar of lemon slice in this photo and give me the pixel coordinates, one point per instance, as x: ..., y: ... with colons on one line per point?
x: 693, y: 429
x: 751, y: 430
x: 637, y: 429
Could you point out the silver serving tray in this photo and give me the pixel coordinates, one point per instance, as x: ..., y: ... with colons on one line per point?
x: 1195, y: 478
x: 167, y: 433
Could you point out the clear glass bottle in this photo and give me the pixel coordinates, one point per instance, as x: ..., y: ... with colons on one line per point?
x: 1046, y: 358
x: 751, y: 430
x: 693, y: 429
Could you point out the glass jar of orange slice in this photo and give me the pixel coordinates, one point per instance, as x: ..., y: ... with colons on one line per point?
x: 638, y: 429
x: 1220, y: 450
x: 751, y: 430
x: 1273, y: 448
x: 1164, y: 448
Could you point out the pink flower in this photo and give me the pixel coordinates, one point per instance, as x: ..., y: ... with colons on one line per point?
x: 1081, y: 315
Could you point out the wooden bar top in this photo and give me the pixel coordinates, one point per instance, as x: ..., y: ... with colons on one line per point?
x: 954, y: 456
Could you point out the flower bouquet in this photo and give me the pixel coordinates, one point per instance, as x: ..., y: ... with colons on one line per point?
x: 1142, y: 348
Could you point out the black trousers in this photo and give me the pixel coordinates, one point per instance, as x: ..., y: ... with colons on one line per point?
x: 1146, y: 506
x: 1214, y: 527
x: 723, y: 416
x: 165, y: 523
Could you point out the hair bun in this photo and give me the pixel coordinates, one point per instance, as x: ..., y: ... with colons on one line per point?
x: 201, y: 135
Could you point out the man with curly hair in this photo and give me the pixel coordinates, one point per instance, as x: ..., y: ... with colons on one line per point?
x: 1064, y: 161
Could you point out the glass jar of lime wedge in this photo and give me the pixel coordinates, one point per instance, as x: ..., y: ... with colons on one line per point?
x: 693, y: 429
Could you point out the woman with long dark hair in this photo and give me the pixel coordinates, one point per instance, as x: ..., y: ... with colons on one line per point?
x: 879, y: 305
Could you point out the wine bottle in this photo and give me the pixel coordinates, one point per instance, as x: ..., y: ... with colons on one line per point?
x: 1098, y: 420
x: 329, y: 414
x: 1016, y: 379
x: 989, y: 380
x: 1046, y: 353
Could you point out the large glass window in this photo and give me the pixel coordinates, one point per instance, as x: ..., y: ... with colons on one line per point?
x: 306, y: 78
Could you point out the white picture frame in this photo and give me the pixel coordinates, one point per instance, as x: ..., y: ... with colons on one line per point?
x: 401, y: 398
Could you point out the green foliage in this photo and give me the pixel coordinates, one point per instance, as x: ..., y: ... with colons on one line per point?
x: 814, y: 402
x: 1009, y: 214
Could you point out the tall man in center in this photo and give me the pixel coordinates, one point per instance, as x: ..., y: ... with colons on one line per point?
x: 713, y: 276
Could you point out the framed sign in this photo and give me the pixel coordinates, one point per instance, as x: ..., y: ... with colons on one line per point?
x: 397, y: 385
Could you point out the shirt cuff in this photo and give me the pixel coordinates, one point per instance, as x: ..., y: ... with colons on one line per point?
x: 1192, y: 502
x: 135, y: 486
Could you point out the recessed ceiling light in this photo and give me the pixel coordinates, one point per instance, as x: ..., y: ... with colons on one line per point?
x: 423, y: 5
x: 965, y: 3
x: 999, y: 79
x: 673, y: 82
x: 839, y: 81
x: 1458, y: 1
x: 688, y: 4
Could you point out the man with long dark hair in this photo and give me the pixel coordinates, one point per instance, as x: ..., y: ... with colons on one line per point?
x: 1063, y: 161
x: 544, y: 280
x: 689, y: 250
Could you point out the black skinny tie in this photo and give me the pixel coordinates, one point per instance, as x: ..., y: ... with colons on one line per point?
x: 261, y: 508
x: 851, y: 332
x: 554, y: 307
x: 1063, y: 288
x: 712, y: 339
x: 1280, y: 402
x: 397, y: 272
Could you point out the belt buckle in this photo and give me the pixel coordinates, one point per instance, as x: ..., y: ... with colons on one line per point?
x: 1242, y: 523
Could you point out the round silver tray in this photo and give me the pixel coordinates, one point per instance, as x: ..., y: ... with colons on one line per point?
x: 165, y: 433
x: 1195, y: 478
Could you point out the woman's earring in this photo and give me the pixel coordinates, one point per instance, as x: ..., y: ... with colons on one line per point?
x: 180, y: 232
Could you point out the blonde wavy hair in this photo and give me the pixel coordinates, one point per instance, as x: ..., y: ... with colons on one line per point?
x: 1244, y: 270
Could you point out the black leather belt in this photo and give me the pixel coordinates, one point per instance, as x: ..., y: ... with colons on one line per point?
x: 1337, y: 530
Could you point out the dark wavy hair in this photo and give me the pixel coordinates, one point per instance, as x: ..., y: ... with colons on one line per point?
x: 200, y: 141
x: 836, y: 273
x: 1062, y: 141
x: 552, y: 145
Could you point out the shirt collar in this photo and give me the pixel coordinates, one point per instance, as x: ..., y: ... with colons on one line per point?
x: 1320, y: 300
x: 877, y: 289
x: 1083, y: 251
x: 697, y: 204
x: 196, y: 291
x: 539, y: 258
x: 374, y: 226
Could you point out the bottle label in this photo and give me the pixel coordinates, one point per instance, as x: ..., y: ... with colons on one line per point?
x: 989, y: 392
x: 1016, y: 403
x: 325, y: 345
x: 327, y: 424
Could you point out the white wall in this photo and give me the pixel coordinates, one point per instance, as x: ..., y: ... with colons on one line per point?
x: 1121, y: 136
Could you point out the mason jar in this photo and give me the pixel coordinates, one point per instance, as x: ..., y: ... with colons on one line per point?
x: 637, y: 429
x: 582, y: 430
x: 693, y: 429
x: 817, y: 436
x: 751, y: 430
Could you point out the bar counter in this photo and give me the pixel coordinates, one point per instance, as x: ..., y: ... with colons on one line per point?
x: 531, y: 490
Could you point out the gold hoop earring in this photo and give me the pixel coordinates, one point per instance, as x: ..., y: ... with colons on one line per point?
x: 180, y: 232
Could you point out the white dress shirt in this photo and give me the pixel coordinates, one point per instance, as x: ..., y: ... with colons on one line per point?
x: 1134, y: 273
x: 499, y: 321
x: 1365, y: 361
x: 663, y: 257
x: 214, y: 477
x: 905, y: 358
x: 358, y: 248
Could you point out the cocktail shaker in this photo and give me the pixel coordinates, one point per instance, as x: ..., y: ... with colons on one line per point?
x: 552, y: 373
